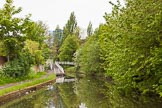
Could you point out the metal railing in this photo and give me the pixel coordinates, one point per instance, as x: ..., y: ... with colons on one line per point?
x: 66, y: 63
x: 59, y: 67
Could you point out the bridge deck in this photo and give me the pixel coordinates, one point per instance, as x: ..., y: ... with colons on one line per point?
x: 65, y: 63
x: 57, y: 68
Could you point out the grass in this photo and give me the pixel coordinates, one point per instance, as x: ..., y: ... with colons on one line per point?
x: 32, y: 75
x: 27, y: 84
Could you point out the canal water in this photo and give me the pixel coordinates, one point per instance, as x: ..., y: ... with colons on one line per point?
x: 90, y: 92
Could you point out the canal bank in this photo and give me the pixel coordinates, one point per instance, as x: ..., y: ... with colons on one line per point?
x: 17, y: 90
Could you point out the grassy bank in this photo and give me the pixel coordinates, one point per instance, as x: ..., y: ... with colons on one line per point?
x: 32, y: 75
x: 27, y: 84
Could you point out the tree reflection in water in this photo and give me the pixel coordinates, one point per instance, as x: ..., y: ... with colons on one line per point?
x: 93, y: 92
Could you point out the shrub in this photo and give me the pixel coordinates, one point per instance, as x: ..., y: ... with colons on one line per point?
x: 18, y: 67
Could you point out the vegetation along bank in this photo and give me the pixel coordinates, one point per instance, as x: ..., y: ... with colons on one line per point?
x: 127, y: 47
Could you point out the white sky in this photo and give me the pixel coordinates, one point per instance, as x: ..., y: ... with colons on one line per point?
x: 57, y: 12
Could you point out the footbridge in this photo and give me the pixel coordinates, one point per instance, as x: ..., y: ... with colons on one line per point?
x: 58, y: 68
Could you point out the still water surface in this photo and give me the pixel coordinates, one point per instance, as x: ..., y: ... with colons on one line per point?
x: 89, y: 91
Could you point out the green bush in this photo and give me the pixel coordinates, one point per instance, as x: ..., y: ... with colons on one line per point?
x: 18, y: 67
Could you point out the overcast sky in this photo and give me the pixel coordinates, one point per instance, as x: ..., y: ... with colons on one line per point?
x: 57, y: 12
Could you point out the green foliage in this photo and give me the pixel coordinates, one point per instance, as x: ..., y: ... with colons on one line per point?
x: 70, y: 40
x: 9, y: 24
x: 39, y: 59
x: 18, y: 67
x: 130, y: 44
x: 68, y: 48
x: 45, y: 52
x: 2, y: 49
x: 22, y: 41
x: 128, y: 47
x: 12, y: 46
x: 87, y: 57
x: 70, y: 28
x: 12, y: 29
x: 39, y: 55
x: 70, y: 70
x: 33, y: 48
x: 36, y: 31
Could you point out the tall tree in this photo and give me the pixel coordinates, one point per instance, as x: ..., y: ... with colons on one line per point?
x: 11, y: 29
x: 70, y: 27
x: 89, y: 29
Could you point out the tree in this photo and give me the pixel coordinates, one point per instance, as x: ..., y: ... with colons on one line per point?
x: 15, y: 34
x: 87, y: 57
x: 36, y: 31
x: 89, y: 29
x: 70, y: 40
x: 39, y: 55
x: 11, y: 29
x: 68, y: 48
x: 70, y: 27
x: 131, y: 46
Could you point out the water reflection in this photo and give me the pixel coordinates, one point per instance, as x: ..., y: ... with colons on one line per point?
x: 64, y: 79
x: 88, y: 92
x: 82, y: 105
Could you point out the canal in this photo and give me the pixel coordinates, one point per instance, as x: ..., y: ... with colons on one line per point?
x: 89, y: 91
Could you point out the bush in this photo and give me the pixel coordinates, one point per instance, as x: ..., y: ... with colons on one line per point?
x: 18, y: 67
